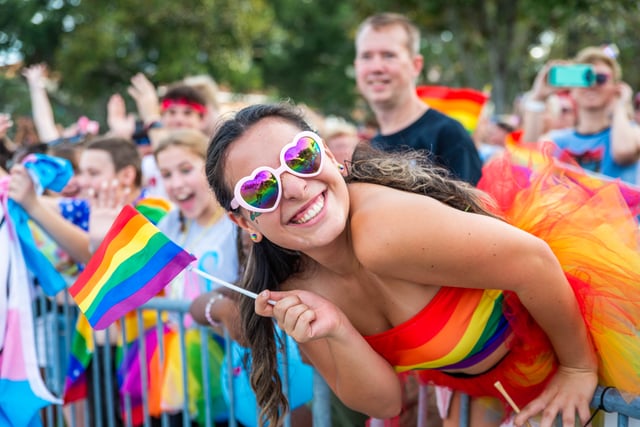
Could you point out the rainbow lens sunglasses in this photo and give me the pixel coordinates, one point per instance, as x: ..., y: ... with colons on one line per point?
x: 261, y: 191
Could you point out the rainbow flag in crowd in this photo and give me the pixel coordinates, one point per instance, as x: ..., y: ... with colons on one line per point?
x: 154, y: 208
x: 462, y: 104
x: 132, y: 264
x: 82, y: 346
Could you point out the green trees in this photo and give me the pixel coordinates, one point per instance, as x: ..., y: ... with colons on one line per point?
x: 299, y: 49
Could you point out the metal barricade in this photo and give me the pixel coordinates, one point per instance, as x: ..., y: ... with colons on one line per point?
x: 55, y: 326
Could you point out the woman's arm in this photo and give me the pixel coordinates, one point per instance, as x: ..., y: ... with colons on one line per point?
x: 222, y: 310
x: 40, y: 105
x: 73, y: 240
x: 424, y: 241
x: 358, y: 375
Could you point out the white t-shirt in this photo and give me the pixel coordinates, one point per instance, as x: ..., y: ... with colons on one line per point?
x: 214, y: 247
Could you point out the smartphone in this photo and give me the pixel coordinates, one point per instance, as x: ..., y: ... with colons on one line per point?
x: 574, y: 75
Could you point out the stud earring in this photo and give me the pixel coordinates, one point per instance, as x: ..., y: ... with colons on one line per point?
x: 253, y: 237
x: 340, y: 167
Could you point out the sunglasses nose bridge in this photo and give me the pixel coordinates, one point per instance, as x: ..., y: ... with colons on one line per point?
x: 292, y: 186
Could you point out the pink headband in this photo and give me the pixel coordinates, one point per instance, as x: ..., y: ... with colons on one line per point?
x: 168, y: 103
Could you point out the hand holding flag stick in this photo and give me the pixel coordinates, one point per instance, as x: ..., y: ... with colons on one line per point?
x: 510, y: 401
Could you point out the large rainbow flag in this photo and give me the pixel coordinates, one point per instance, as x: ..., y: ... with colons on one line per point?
x: 132, y: 264
x: 462, y: 104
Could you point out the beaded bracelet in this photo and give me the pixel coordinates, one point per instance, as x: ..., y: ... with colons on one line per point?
x: 207, y: 310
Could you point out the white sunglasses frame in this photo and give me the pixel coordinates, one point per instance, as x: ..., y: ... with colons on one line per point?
x: 238, y: 200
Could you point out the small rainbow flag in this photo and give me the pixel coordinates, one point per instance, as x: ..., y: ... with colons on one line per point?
x: 462, y: 104
x: 82, y: 346
x: 132, y: 264
x: 154, y: 208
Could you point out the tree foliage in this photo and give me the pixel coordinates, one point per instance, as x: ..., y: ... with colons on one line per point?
x: 302, y: 49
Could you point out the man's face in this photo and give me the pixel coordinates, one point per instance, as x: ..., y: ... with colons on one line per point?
x: 599, y: 96
x: 386, y: 70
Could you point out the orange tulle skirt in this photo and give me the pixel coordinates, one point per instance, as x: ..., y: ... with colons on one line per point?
x: 590, y: 225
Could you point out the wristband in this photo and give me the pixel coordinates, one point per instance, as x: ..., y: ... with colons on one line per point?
x: 155, y: 124
x: 140, y: 136
x: 207, y: 310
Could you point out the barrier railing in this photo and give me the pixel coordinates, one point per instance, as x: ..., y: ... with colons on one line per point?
x: 55, y: 325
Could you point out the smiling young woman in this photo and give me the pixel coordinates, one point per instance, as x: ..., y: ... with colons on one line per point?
x: 386, y: 270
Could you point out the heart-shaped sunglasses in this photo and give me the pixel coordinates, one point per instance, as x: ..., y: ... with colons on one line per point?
x: 262, y: 189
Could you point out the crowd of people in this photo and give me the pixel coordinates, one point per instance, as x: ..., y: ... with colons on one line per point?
x: 419, y: 254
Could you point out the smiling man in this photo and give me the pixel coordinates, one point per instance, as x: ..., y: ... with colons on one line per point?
x: 387, y: 66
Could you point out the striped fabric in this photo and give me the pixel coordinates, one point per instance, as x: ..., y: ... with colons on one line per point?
x: 458, y: 329
x: 462, y: 104
x: 132, y: 264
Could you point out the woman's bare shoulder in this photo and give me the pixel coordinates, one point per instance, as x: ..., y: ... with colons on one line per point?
x: 375, y: 215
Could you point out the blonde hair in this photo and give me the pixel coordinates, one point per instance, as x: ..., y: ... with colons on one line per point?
x: 388, y: 19
x: 593, y: 54
x: 190, y: 139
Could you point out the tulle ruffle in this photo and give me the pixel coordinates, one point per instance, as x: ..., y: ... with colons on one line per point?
x: 589, y: 224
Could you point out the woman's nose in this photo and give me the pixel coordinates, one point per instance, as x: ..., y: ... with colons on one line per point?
x: 293, y: 187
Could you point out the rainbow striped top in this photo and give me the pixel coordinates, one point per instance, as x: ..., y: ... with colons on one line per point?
x: 458, y: 329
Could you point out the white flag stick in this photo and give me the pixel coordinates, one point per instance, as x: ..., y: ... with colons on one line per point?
x: 226, y: 284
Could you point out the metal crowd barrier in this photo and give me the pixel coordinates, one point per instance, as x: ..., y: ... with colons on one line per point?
x: 55, y: 325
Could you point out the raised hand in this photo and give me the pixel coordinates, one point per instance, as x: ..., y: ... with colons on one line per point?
x: 120, y: 123
x: 541, y: 89
x: 35, y: 75
x: 144, y: 93
x: 106, y: 204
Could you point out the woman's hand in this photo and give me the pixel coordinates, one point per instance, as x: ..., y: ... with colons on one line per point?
x: 359, y: 376
x: 568, y: 392
x: 303, y: 315
x: 21, y: 188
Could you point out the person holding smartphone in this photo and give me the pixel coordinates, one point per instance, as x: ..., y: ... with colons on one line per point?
x: 604, y: 139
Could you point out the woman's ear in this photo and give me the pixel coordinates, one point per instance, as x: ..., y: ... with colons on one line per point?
x: 242, y: 222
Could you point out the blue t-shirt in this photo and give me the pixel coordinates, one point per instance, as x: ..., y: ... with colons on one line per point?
x: 593, y: 153
x: 214, y: 247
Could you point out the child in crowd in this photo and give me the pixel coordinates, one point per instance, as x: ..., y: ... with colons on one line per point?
x: 199, y: 225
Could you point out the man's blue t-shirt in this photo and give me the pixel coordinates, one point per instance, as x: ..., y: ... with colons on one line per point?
x: 593, y: 153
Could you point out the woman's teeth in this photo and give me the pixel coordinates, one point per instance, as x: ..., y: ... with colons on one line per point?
x: 311, y: 212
